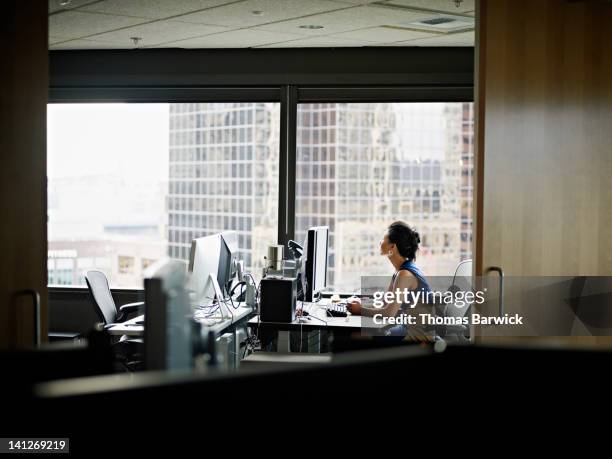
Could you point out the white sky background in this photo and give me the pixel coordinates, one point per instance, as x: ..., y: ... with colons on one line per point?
x: 124, y: 140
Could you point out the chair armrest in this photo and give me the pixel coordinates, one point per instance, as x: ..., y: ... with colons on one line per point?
x: 457, y: 328
x: 131, y: 307
x: 63, y: 336
x: 128, y: 342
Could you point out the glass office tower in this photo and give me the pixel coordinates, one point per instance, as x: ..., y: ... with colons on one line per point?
x: 223, y: 174
x: 359, y: 167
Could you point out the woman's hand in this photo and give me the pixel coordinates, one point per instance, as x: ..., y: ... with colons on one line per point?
x: 354, y: 307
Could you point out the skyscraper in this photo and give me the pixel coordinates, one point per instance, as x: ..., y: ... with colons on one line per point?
x: 360, y: 166
x: 223, y: 174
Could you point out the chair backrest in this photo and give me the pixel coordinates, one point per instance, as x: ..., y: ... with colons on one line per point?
x: 462, y: 281
x: 101, y: 296
x: 463, y: 275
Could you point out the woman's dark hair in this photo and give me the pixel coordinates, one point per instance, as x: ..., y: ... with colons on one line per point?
x: 405, y: 239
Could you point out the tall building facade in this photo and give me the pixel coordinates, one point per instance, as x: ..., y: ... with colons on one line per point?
x: 223, y: 174
x: 359, y: 167
x: 362, y: 166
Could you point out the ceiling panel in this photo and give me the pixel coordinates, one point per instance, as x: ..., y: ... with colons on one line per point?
x: 244, y: 38
x: 345, y: 20
x: 319, y: 42
x: 56, y: 5
x: 75, y: 24
x: 381, y: 35
x: 448, y: 6
x: 53, y: 39
x: 153, y: 9
x: 85, y: 44
x: 455, y: 39
x: 249, y: 23
x: 241, y: 14
x: 158, y: 32
x: 359, y: 2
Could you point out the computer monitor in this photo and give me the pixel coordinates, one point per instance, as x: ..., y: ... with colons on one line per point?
x: 317, y: 246
x: 229, y: 259
x: 204, y: 259
x: 216, y: 254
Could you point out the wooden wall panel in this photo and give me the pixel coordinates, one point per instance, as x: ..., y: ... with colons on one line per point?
x: 23, y: 181
x: 544, y: 137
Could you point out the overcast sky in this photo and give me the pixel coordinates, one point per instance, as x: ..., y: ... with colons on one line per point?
x: 124, y: 140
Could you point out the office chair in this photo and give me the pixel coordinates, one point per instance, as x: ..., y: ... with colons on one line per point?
x: 462, y: 281
x: 103, y: 300
x: 127, y: 351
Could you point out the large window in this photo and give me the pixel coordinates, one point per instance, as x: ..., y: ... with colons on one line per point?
x: 360, y: 166
x: 131, y: 183
x: 224, y: 176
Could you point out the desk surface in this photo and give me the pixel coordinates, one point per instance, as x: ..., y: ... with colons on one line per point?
x: 318, y: 319
x: 133, y: 328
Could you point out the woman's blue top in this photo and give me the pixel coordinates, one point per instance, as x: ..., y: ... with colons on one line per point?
x: 416, y: 272
x: 399, y: 331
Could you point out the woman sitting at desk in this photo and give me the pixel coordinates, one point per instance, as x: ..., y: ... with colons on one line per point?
x: 400, y: 245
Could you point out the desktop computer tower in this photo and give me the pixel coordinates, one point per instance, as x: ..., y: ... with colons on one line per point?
x: 277, y: 299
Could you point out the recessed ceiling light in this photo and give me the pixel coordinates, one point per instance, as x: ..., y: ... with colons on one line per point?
x: 257, y: 13
x: 65, y: 2
x: 311, y: 27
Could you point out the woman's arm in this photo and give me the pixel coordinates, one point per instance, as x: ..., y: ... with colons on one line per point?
x: 404, y: 280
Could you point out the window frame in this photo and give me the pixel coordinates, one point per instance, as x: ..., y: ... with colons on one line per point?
x: 422, y: 75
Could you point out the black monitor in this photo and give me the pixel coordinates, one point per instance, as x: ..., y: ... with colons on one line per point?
x: 317, y: 246
x: 223, y: 272
x: 228, y: 260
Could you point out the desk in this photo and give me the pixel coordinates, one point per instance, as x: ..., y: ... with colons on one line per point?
x: 319, y: 320
x: 129, y: 327
x: 312, y: 325
x: 133, y: 328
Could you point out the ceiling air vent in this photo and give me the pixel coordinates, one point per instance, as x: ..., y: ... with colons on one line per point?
x: 440, y: 23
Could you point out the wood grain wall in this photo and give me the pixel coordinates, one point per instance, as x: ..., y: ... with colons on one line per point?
x: 23, y: 166
x: 544, y: 137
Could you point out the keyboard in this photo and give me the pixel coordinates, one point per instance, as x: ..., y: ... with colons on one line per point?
x: 330, y: 293
x: 337, y: 310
